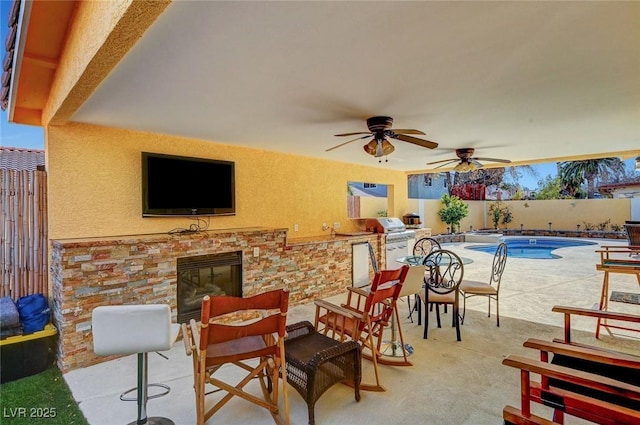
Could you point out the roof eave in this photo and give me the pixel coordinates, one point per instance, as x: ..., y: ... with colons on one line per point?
x: 18, y: 54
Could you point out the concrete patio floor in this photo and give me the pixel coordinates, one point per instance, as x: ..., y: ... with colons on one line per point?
x: 450, y: 382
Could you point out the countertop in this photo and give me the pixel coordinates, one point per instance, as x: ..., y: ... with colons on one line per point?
x: 347, y: 236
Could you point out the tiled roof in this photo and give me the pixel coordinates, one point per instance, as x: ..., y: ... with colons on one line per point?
x: 21, y: 159
x: 612, y: 186
x: 7, y: 61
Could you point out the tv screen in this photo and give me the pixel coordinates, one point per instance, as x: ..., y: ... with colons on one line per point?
x: 178, y: 185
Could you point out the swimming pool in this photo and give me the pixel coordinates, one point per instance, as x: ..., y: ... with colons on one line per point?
x: 533, y: 247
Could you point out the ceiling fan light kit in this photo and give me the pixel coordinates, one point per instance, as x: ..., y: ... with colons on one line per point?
x: 379, y: 148
x: 465, y: 167
x: 467, y: 162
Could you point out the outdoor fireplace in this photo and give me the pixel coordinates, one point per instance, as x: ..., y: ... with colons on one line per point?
x: 213, y: 274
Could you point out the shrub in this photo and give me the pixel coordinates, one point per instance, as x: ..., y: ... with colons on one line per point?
x: 454, y: 209
x: 499, y: 210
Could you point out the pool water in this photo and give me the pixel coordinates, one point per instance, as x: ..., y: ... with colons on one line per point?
x: 537, y: 248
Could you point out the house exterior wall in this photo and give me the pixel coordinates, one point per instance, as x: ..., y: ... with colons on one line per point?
x: 420, y: 189
x: 95, y: 185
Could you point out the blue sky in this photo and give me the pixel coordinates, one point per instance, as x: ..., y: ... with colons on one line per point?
x: 550, y: 169
x: 20, y: 136
x: 543, y: 170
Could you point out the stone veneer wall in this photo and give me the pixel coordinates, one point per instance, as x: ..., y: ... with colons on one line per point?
x: 87, y: 273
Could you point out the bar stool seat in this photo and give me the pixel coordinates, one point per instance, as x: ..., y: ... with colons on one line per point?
x: 135, y: 329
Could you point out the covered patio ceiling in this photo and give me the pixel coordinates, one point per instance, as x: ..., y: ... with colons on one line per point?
x: 525, y: 81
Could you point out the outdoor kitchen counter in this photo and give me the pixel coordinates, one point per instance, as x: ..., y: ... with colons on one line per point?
x: 309, y: 240
x: 349, y: 236
x: 154, y: 237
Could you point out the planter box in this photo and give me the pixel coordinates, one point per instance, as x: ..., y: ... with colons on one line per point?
x: 26, y: 355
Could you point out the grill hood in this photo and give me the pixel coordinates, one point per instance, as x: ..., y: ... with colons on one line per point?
x: 385, y: 225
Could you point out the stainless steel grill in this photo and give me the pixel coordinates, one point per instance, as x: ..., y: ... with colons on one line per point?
x: 398, y: 240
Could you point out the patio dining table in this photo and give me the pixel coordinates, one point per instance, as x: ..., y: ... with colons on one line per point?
x: 417, y: 260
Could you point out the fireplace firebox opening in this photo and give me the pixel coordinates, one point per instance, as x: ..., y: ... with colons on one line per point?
x: 200, y: 275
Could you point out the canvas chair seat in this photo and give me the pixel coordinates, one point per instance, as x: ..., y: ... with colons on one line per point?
x: 251, y: 346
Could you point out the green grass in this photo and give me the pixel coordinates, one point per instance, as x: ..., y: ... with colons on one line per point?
x: 28, y: 400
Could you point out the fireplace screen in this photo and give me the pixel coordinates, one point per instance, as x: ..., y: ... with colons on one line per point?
x: 214, y: 274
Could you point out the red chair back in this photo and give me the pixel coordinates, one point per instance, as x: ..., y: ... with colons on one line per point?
x: 216, y: 306
x: 386, y: 285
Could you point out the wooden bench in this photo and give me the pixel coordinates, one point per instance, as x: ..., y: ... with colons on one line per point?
x: 592, y: 383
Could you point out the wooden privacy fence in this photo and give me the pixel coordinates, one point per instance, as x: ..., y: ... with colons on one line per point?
x: 23, y: 233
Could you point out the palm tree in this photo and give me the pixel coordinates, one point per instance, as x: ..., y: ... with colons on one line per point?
x: 573, y: 173
x: 516, y: 173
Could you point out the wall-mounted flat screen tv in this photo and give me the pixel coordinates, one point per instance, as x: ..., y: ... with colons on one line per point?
x: 178, y: 185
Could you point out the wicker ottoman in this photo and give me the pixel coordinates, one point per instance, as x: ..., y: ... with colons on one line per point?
x: 316, y: 362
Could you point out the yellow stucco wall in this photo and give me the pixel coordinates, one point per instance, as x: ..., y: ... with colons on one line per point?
x: 564, y: 214
x: 432, y: 220
x: 567, y: 213
x: 94, y: 177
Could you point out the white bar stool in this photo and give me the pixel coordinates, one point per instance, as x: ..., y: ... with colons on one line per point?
x: 135, y: 329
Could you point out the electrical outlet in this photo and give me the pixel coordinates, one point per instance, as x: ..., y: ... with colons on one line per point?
x: 256, y: 251
x: 295, y: 228
x: 336, y: 225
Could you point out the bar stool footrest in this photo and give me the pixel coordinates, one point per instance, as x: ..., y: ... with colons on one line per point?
x: 149, y: 397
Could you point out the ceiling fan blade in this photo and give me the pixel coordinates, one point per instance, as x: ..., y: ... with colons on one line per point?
x: 415, y: 141
x: 476, y: 163
x: 451, y: 161
x: 443, y: 160
x: 506, y: 161
x: 408, y: 131
x: 353, y: 134
x: 346, y: 143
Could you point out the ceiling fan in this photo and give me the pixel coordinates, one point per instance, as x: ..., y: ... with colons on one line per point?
x: 468, y: 162
x: 380, y: 129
